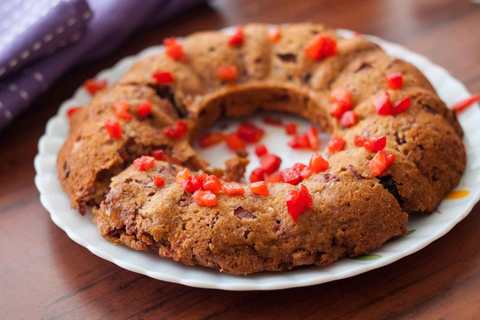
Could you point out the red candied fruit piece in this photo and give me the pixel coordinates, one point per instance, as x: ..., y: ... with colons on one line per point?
x: 270, y: 163
x: 375, y: 144
x: 383, y: 104
x: 173, y: 49
x: 163, y: 77
x: 233, y: 189
x: 259, y: 188
x: 71, y: 111
x: 237, y: 38
x: 299, y: 201
x: 212, y: 183
x: 210, y: 139
x: 144, y: 109
x: 381, y: 162
x: 261, y: 150
x: 302, y: 169
x: 205, y: 198
x: 402, y: 105
x: 158, y: 181
x: 464, y: 104
x: 336, y: 144
x: 318, y: 164
x: 192, y: 183
x: 144, y: 163
x: 234, y: 142
x: 121, y: 110
x: 299, y: 141
x: 114, y: 129
x: 343, y: 101
x: 177, y: 130
x: 273, y: 121
x: 275, y: 177
x: 321, y: 47
x: 258, y: 174
x: 249, y: 132
x: 94, y: 85
x: 359, y: 141
x: 312, y: 137
x: 275, y: 35
x: 159, y: 154
x: 395, y: 80
x: 348, y: 119
x: 291, y: 128
x: 290, y: 175
x: 227, y: 73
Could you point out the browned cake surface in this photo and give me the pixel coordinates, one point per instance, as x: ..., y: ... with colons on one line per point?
x: 353, y: 212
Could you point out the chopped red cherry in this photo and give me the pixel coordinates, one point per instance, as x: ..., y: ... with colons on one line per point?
x: 237, y: 38
x: 210, y: 139
x: 270, y: 163
x: 321, y: 47
x: 71, y: 111
x: 259, y: 188
x: 291, y: 128
x: 402, y: 105
x: 275, y: 177
x: 261, y: 150
x: 234, y: 142
x: 336, y: 144
x: 274, y: 121
x: 348, y: 119
x: 342, y: 100
x: 359, y: 141
x: 375, y: 144
x: 233, y: 189
x: 205, y: 198
x: 212, y: 183
x: 275, y: 35
x: 177, y: 130
x: 163, y: 77
x: 227, y: 73
x: 290, y: 175
x: 318, y: 164
x: 312, y: 137
x: 395, y: 80
x: 192, y: 183
x: 383, y: 104
x: 258, y: 174
x: 121, y: 110
x: 158, y: 181
x: 114, y: 129
x: 299, y: 142
x: 159, y: 154
x: 464, y: 104
x: 144, y: 109
x: 144, y: 163
x: 299, y: 201
x: 94, y: 85
x: 249, y: 132
x: 381, y: 162
x: 173, y: 49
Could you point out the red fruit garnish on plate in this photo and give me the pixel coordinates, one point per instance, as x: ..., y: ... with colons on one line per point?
x: 402, y: 105
x: 290, y: 175
x: 348, y: 119
x: 464, y: 104
x: 210, y: 139
x: 163, y: 77
x: 71, y: 111
x: 233, y: 189
x: 321, y: 47
x: 318, y: 164
x: 383, y: 104
x: 234, y: 142
x: 395, y: 80
x: 375, y: 144
x: 259, y: 188
x: 227, y: 73
x: 144, y: 163
x: 312, y: 137
x: 205, y: 198
x: 249, y: 132
x: 258, y: 174
x: 144, y: 109
x: 114, y: 129
x: 94, y: 85
x: 299, y: 142
x: 212, y: 183
x: 177, y: 130
x: 381, y: 162
x: 270, y: 163
x: 237, y: 38
x: 158, y: 181
x: 291, y: 128
x: 299, y: 201
x: 336, y: 144
x: 261, y: 150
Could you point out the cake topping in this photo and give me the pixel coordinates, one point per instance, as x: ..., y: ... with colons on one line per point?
x: 212, y: 183
x: 158, y: 181
x: 321, y: 47
x: 348, y: 119
x: 259, y: 188
x: 114, y: 129
x: 233, y: 189
x: 71, y: 111
x: 299, y: 201
x: 318, y: 164
x: 121, y: 110
x: 249, y: 132
x: 210, y: 139
x: 275, y: 35
x: 173, y: 49
x: 335, y: 144
x: 236, y: 39
x: 372, y: 144
x: 94, y: 85
x: 144, y: 163
x: 177, y: 130
x: 163, y: 77
x: 291, y: 128
x: 383, y: 104
x: 144, y: 109
x: 395, y: 80
x: 342, y: 100
x: 205, y: 198
x: 381, y: 162
x: 159, y: 154
x: 227, y: 73
x: 192, y: 183
x: 261, y: 150
x: 257, y: 174
x: 290, y: 175
x: 464, y: 104
x: 402, y: 105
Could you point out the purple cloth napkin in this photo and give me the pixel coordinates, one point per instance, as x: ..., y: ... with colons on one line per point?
x: 41, y: 39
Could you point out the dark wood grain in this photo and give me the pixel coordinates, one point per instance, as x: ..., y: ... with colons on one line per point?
x: 43, y: 274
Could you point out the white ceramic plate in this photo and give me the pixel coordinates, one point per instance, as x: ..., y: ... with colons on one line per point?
x: 423, y: 230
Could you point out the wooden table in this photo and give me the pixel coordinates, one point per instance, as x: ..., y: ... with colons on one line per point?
x: 43, y: 274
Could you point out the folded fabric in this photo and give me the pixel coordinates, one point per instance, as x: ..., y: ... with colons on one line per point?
x: 42, y: 39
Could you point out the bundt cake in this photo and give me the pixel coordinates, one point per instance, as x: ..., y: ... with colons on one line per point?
x: 396, y: 150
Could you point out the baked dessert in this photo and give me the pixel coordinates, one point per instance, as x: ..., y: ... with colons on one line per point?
x: 396, y: 150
